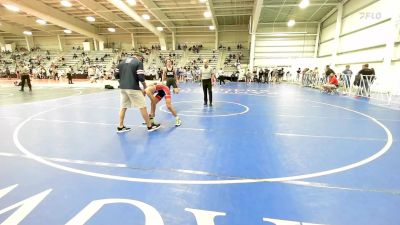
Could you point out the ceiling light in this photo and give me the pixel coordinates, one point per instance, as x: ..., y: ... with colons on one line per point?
x: 304, y: 3
x: 11, y: 7
x: 27, y: 33
x: 160, y: 28
x: 202, y: 1
x: 291, y: 23
x: 40, y: 21
x: 131, y: 2
x: 146, y: 17
x: 212, y: 27
x: 68, y: 31
x: 66, y: 3
x: 90, y: 18
x: 111, y: 29
x: 207, y: 14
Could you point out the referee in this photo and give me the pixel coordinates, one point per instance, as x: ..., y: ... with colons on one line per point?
x: 130, y: 72
x: 207, y: 76
x: 25, y: 76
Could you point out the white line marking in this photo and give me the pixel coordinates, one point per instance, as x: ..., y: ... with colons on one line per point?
x: 102, y: 164
x: 71, y: 161
x: 49, y: 100
x: 246, y: 109
x: 9, y: 154
x: 329, y: 186
x: 119, y: 165
x: 327, y: 117
x: 78, y: 122
x: 194, y: 172
x: 39, y: 159
x: 187, y: 128
x: 330, y: 137
x: 108, y: 124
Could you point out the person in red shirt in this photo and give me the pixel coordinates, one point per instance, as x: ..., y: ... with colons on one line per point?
x: 156, y: 92
x: 332, y: 84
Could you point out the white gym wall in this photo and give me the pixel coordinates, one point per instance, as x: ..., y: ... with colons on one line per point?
x: 364, y: 33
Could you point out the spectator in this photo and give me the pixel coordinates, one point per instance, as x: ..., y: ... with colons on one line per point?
x: 260, y: 75
x: 367, y: 76
x: 220, y: 76
x: 8, y: 73
x: 328, y: 72
x: 69, y: 71
x: 347, y: 74
x: 332, y: 84
x: 248, y: 76
x: 298, y: 74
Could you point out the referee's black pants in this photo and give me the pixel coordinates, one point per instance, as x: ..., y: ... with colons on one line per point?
x: 28, y: 79
x: 207, y: 87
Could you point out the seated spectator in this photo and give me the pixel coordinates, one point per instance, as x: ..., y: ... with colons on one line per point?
x: 332, y: 84
x: 328, y: 71
x: 367, y: 76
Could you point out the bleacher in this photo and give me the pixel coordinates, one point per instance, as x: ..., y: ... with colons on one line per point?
x: 196, y: 59
x: 230, y: 66
x: 154, y: 60
x: 11, y: 60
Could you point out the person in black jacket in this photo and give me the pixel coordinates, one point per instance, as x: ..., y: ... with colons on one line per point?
x: 130, y: 73
x: 328, y: 72
x: 366, y: 76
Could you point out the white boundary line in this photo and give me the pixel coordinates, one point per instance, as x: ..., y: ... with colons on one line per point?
x: 48, y: 100
x: 39, y: 159
x: 330, y: 137
x: 327, y: 117
x: 119, y: 165
x: 246, y: 109
x: 108, y: 124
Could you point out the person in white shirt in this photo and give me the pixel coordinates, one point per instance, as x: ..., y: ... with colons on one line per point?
x: 91, y: 74
x: 207, y: 78
x: 69, y: 74
x: 189, y: 75
x: 220, y: 76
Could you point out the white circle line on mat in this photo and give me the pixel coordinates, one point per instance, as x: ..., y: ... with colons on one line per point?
x: 365, y: 161
x: 246, y: 109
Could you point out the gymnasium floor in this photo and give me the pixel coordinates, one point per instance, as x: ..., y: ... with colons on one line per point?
x: 277, y: 153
